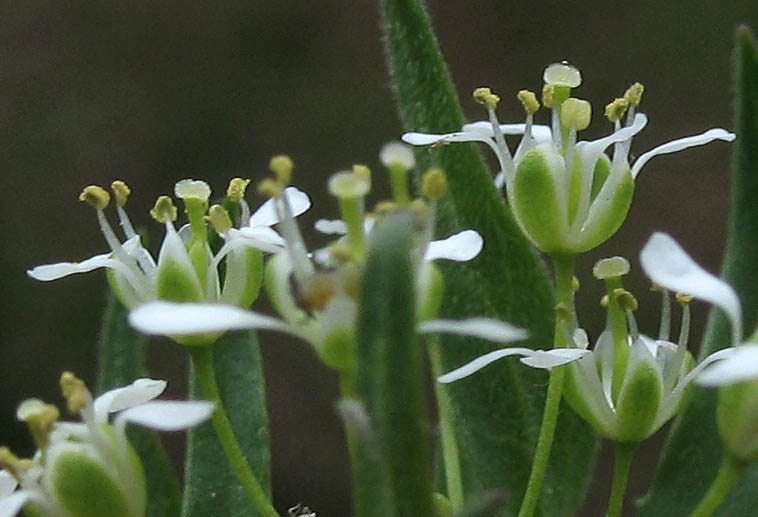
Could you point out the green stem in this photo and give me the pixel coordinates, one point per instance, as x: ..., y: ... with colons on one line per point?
x: 450, y: 455
x: 564, y: 279
x: 202, y: 361
x: 624, y: 456
x: 730, y: 471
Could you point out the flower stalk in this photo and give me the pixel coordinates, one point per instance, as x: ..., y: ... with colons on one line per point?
x: 202, y: 362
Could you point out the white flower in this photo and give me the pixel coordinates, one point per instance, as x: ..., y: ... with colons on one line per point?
x: 568, y: 196
x: 54, y: 485
x: 667, y: 264
x: 185, y: 259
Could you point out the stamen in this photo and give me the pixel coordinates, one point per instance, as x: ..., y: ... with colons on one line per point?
x: 664, y: 333
x: 282, y: 166
x: 489, y: 100
x: 236, y: 193
x: 164, y: 210
x: 17, y: 467
x: 236, y: 189
x: 614, y: 111
x: 684, y: 333
x: 270, y: 188
x: 298, y: 253
x: 95, y: 196
x: 219, y: 218
x: 40, y: 418
x: 75, y: 392
x: 121, y: 192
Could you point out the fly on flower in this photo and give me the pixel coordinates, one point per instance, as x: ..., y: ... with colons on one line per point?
x: 89, y: 468
x: 568, y: 196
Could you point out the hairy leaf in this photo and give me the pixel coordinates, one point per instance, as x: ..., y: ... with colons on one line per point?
x: 391, y: 381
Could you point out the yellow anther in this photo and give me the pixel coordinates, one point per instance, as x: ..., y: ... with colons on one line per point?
x: 220, y: 219
x: 610, y: 267
x: 13, y: 464
x: 548, y: 95
x: 40, y: 418
x: 121, y: 192
x: 75, y: 392
x: 434, y: 184
x: 348, y: 185
x: 576, y: 114
x: 682, y: 298
x: 95, y: 196
x: 363, y: 172
x: 270, y: 188
x: 605, y: 301
x: 625, y: 299
x: 485, y: 97
x: 397, y: 153
x: 164, y: 210
x: 575, y: 285
x: 282, y: 166
x: 192, y: 189
x: 562, y: 74
x: 616, y: 109
x: 384, y: 207
x: 633, y: 94
x: 236, y: 189
x: 529, y: 101
x: 341, y: 252
x: 563, y: 312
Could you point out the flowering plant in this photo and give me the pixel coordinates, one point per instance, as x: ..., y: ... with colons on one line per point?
x: 416, y: 305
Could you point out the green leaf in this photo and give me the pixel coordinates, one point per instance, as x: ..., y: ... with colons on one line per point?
x: 499, y: 410
x: 211, y: 487
x: 693, y: 451
x: 391, y: 381
x: 121, y: 359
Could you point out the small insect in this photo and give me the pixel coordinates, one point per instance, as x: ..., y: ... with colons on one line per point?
x: 439, y: 143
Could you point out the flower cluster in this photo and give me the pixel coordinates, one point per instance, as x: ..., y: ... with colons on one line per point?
x: 89, y: 468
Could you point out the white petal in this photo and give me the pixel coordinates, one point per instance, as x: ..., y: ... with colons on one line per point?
x: 49, y: 272
x: 431, y: 138
x: 165, y: 415
x: 11, y: 505
x: 549, y: 358
x: 331, y: 227
x: 741, y: 365
x: 486, y: 328
x: 540, y: 133
x: 534, y: 358
x: 118, y: 399
x: 266, y: 215
x: 265, y: 235
x: 198, y: 318
x: 460, y: 247
x: 680, y: 144
x: 7, y: 483
x: 668, y: 265
x: 591, y: 150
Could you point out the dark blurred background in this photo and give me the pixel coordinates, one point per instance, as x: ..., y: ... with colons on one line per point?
x: 152, y: 92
